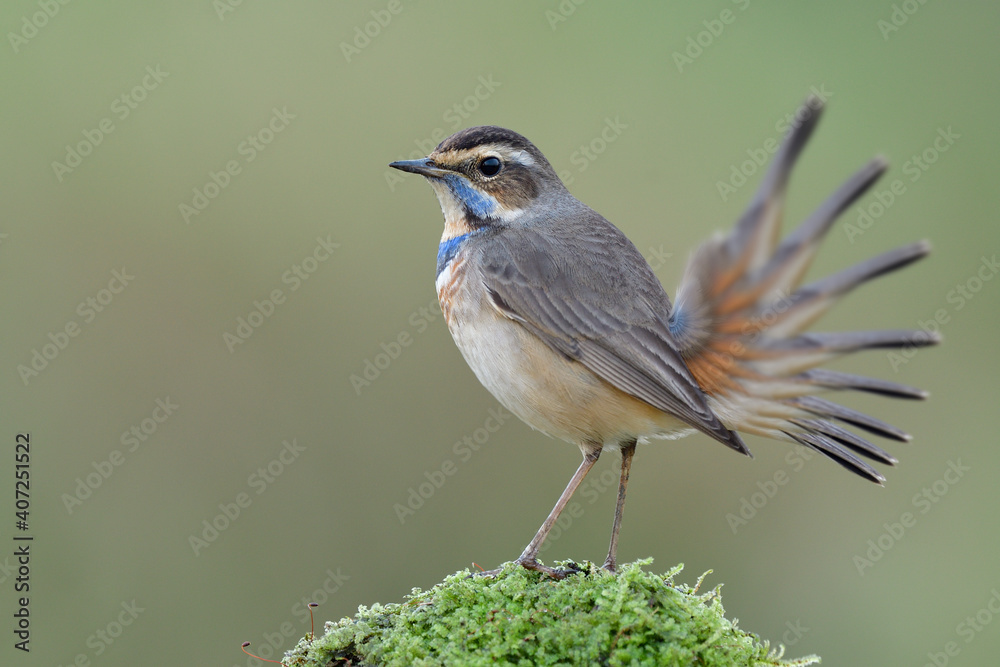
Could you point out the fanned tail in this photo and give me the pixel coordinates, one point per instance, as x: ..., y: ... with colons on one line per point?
x: 741, y: 316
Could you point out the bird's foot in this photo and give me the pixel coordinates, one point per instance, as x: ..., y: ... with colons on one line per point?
x: 532, y: 564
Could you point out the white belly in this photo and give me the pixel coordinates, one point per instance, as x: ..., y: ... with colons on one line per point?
x: 546, y: 390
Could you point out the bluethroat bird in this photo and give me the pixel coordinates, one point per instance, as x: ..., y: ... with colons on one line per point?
x: 564, y: 322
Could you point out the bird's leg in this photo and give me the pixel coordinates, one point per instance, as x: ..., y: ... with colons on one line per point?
x: 527, y: 558
x: 628, y: 451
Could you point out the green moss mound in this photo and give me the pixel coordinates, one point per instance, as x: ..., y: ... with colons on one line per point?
x: 523, y: 618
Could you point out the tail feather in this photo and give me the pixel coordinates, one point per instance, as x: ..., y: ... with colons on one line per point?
x: 825, y: 445
x: 845, y: 437
x: 757, y: 231
x: 794, y: 255
x: 827, y: 379
x: 809, y: 303
x: 824, y: 408
x: 741, y: 316
x: 843, y: 342
x: 785, y: 356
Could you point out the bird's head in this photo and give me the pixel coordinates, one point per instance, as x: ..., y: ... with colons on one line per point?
x: 485, y: 175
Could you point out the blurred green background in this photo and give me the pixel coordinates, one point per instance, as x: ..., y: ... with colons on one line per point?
x: 144, y: 107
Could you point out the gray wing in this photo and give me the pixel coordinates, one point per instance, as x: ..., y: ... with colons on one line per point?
x: 587, y: 292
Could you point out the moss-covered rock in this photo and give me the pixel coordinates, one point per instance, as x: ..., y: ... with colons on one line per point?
x: 524, y: 618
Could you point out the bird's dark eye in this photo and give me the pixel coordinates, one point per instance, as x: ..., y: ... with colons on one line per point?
x: 490, y: 166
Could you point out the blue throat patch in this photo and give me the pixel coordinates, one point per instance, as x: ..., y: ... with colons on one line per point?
x: 448, y: 249
x: 475, y: 202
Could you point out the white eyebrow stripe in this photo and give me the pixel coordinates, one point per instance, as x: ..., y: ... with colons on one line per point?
x: 523, y: 158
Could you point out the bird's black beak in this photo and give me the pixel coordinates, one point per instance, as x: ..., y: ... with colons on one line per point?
x: 424, y: 166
